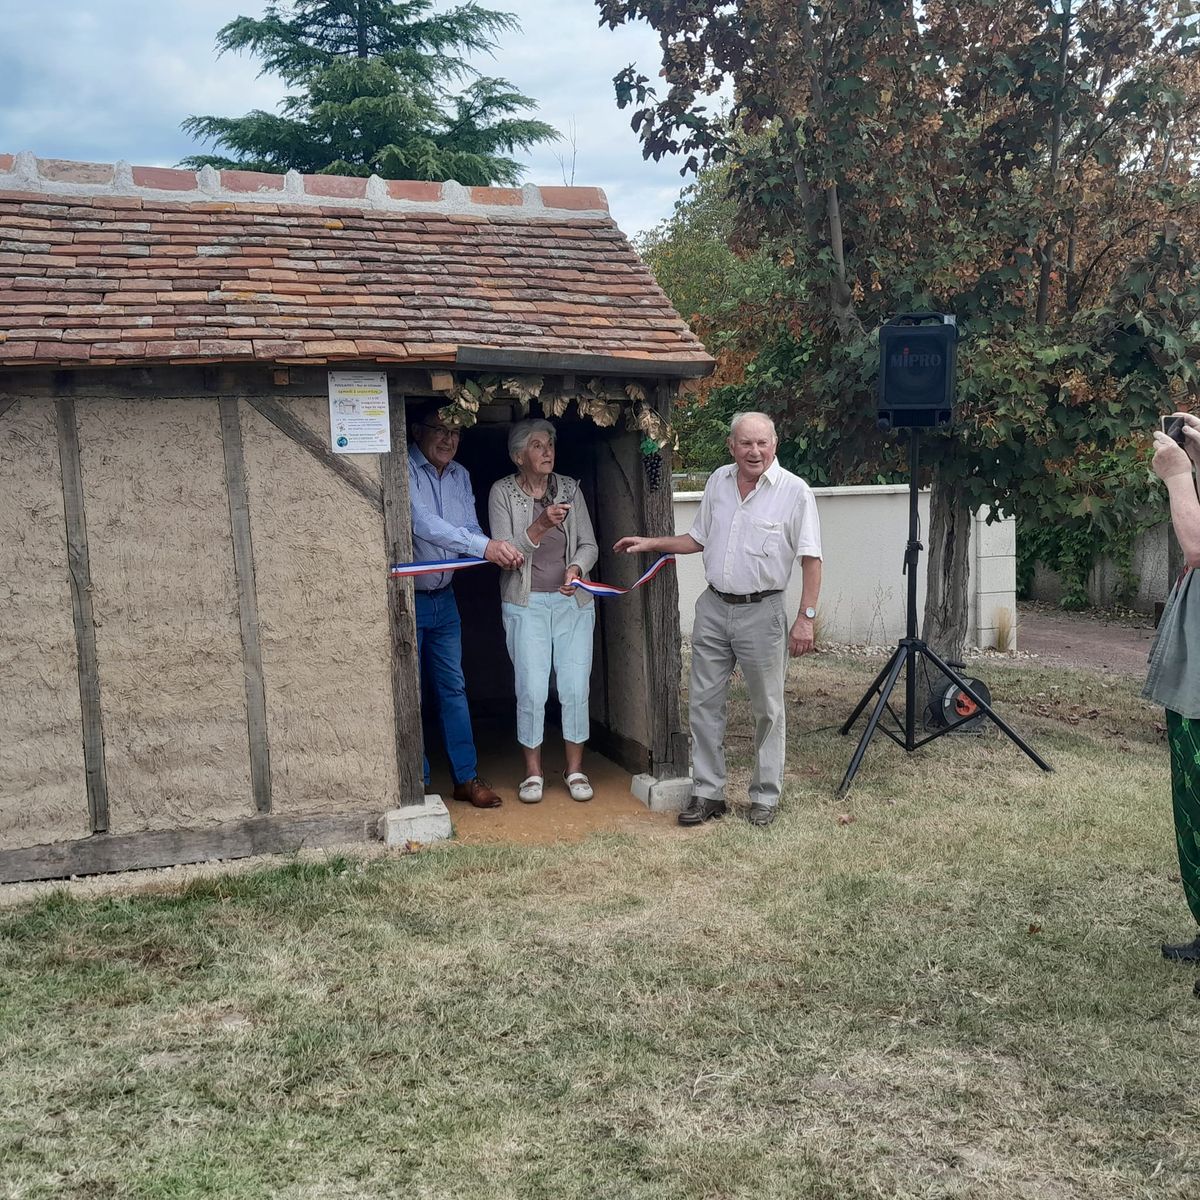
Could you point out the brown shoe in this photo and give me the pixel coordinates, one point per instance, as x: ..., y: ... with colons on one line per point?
x: 476, y: 792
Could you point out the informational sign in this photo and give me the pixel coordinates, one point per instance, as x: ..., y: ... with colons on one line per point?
x: 358, y: 412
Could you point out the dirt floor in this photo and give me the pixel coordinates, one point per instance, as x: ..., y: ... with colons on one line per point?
x: 1086, y: 640
x: 557, y: 818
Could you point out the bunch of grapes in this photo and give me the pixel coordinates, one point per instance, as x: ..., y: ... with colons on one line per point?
x: 652, y: 464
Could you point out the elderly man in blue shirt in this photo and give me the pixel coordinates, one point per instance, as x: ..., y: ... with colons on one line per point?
x: 444, y: 526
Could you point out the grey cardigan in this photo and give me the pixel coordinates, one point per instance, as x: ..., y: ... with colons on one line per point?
x: 511, y: 512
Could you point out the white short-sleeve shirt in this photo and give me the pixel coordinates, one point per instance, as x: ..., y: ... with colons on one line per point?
x: 751, y: 545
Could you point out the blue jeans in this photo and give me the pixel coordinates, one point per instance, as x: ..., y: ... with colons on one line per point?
x: 551, y: 631
x: 439, y: 647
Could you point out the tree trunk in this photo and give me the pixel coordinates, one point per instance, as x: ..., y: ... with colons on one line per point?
x: 361, y: 21
x: 1050, y: 249
x: 945, y: 624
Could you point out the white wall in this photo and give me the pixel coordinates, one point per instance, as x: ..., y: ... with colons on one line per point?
x: 864, y: 531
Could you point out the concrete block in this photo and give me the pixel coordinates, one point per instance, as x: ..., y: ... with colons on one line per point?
x: 662, y: 795
x: 640, y: 787
x: 1000, y: 537
x: 426, y: 822
x: 996, y: 575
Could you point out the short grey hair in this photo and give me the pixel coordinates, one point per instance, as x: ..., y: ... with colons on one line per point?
x: 738, y: 418
x: 522, y: 431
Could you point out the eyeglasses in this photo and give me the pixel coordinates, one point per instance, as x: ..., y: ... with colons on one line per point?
x: 450, y: 435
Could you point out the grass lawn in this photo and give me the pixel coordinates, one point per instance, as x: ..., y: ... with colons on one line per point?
x: 957, y: 993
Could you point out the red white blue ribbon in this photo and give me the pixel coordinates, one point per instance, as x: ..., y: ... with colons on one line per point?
x: 412, y: 569
x: 610, y: 589
x: 592, y: 586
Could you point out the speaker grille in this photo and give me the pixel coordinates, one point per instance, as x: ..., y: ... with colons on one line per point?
x: 916, y: 374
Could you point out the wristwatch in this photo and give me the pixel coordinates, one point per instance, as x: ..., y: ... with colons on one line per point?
x: 810, y: 612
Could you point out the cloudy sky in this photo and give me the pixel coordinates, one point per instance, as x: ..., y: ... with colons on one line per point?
x: 102, y: 80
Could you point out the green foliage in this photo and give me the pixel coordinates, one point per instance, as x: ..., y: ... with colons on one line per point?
x: 731, y: 300
x: 692, y: 257
x: 1031, y: 169
x: 833, y: 442
x: 1072, y: 548
x: 703, y: 430
x: 370, y: 94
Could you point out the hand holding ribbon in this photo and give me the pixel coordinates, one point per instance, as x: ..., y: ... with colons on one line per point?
x: 592, y: 586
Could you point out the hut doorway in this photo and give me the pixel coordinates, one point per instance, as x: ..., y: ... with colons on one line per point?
x: 606, y: 462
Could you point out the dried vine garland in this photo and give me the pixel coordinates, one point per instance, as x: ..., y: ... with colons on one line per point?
x: 592, y: 402
x: 465, y: 398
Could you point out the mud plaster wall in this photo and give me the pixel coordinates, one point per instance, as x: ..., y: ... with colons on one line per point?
x: 43, y: 794
x: 322, y: 604
x: 167, y: 637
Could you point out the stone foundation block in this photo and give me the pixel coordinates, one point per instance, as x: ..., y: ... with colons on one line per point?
x: 662, y: 795
x: 426, y: 822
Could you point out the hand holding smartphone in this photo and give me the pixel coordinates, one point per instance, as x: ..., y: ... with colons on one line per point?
x: 1173, y: 427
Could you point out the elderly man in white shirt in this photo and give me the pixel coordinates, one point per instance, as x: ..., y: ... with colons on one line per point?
x: 755, y: 520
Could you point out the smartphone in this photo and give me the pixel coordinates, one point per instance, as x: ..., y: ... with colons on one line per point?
x: 1173, y: 427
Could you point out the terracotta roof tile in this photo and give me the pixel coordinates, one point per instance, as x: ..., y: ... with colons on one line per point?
x: 101, y: 264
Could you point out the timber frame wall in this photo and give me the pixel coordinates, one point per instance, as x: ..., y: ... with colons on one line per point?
x: 661, y: 747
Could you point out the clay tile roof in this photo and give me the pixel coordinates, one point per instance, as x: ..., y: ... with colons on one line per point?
x: 104, y: 264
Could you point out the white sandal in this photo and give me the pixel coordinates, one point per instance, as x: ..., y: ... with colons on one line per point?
x: 578, y: 785
x: 530, y: 791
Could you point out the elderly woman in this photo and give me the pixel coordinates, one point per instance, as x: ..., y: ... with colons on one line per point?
x: 548, y: 623
x: 1174, y: 676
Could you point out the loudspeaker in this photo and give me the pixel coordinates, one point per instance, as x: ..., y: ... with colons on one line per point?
x: 917, y: 364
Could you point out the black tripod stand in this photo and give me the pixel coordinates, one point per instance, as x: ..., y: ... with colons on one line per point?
x: 906, y: 658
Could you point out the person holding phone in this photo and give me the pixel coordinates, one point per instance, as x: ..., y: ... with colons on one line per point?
x: 1173, y: 679
x: 548, y: 623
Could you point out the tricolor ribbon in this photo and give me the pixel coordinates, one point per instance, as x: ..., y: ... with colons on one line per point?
x: 411, y: 570
x: 610, y: 589
x: 594, y: 587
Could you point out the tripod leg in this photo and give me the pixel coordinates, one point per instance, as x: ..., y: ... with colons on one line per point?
x: 862, y: 704
x: 1012, y: 734
x: 892, y: 671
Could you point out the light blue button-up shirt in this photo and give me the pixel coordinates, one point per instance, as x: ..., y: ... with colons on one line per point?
x: 444, y: 524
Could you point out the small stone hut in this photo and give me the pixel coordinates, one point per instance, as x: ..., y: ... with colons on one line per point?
x: 201, y: 653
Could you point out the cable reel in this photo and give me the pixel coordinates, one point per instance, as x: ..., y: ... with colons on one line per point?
x: 954, y: 709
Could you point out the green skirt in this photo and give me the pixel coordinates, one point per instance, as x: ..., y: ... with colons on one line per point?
x: 1183, y: 735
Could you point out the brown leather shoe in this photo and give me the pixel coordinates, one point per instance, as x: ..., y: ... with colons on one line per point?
x: 476, y: 792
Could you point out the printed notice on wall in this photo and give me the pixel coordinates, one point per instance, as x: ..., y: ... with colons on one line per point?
x: 358, y: 412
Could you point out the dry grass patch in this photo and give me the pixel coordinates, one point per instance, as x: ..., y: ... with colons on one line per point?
x: 955, y: 994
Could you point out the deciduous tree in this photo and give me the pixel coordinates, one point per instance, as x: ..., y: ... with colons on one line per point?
x: 1028, y: 166
x: 731, y: 301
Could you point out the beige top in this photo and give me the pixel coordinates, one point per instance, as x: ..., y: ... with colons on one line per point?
x: 510, y: 514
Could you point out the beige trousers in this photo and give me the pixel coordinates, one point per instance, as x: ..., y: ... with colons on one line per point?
x: 755, y: 637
